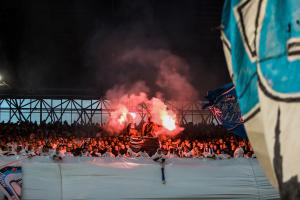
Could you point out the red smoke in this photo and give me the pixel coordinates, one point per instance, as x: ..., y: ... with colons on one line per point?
x: 171, y: 82
x: 172, y: 77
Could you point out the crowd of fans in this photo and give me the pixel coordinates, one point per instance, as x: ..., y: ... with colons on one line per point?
x: 59, y: 140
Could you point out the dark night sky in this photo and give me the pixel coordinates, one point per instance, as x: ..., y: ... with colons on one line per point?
x: 72, y: 44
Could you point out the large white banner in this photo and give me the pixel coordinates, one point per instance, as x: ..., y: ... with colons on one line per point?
x: 98, y: 178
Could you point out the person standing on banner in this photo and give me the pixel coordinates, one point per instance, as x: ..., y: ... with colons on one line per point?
x: 148, y: 128
x: 131, y: 130
x: 160, y: 157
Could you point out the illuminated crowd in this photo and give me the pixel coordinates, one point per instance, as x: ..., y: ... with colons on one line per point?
x: 61, y: 140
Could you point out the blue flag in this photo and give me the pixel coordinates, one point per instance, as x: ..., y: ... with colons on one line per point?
x: 225, y: 108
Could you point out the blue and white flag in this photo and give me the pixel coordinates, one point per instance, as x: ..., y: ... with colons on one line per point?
x: 225, y: 108
x: 261, y: 40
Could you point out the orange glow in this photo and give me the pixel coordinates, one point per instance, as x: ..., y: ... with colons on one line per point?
x: 163, y: 118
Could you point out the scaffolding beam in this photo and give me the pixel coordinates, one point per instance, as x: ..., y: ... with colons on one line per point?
x: 87, y: 110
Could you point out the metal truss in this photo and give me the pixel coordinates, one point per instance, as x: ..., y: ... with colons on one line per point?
x: 192, y: 112
x: 87, y: 111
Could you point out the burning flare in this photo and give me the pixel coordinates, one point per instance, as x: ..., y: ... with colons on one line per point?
x: 124, y: 114
x: 168, y: 122
x: 133, y: 115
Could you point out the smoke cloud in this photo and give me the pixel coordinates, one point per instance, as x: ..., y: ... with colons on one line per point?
x: 171, y: 79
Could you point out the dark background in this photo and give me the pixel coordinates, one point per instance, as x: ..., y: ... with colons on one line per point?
x: 71, y: 44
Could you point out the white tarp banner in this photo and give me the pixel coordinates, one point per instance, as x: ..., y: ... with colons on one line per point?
x: 98, y: 178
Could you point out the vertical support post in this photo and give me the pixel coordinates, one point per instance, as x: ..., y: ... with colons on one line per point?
x: 91, y: 112
x: 51, y: 111
x: 40, y: 100
x: 82, y: 117
x: 71, y: 111
x: 30, y: 109
x: 61, y: 111
x: 101, y: 109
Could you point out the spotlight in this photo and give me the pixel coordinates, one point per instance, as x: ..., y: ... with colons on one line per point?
x: 2, y: 82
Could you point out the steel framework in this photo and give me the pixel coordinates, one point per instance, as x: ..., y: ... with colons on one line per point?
x: 85, y: 111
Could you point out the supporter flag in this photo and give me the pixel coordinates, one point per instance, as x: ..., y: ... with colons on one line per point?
x: 224, y: 106
x: 136, y: 143
x: 261, y: 41
x: 149, y: 144
x: 11, y: 182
